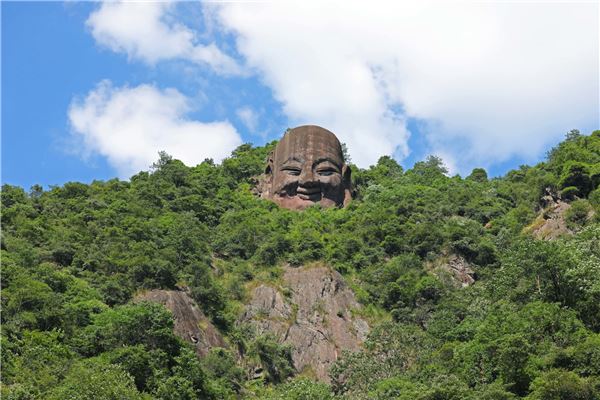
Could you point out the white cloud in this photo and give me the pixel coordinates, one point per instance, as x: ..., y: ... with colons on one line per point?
x: 492, y: 80
x: 148, y: 31
x: 129, y: 126
x: 248, y: 117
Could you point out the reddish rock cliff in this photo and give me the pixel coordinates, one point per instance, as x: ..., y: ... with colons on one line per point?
x: 315, y: 318
x: 190, y: 322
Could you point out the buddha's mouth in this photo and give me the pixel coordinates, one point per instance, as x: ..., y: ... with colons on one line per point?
x: 312, y: 194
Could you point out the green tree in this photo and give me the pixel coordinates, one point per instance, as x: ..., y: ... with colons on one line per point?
x: 276, y: 359
x: 562, y: 385
x: 92, y: 379
x: 478, y: 175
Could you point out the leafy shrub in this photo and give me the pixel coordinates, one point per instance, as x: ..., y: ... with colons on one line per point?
x: 562, y: 385
x: 569, y: 192
x: 92, y: 379
x: 577, y: 215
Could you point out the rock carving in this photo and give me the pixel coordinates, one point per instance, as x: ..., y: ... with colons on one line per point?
x: 307, y: 167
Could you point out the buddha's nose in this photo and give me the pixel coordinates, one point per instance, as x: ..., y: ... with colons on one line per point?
x: 307, y: 178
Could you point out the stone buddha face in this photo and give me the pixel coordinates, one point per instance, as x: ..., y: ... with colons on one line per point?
x: 307, y: 167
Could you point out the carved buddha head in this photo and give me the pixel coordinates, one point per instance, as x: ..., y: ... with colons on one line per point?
x: 307, y: 167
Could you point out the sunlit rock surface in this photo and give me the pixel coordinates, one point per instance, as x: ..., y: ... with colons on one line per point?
x: 312, y: 312
x: 190, y: 322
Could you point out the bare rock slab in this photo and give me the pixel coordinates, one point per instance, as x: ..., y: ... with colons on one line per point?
x: 551, y: 222
x: 190, y: 322
x: 315, y: 317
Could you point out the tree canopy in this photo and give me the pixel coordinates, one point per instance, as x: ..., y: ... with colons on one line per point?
x: 526, y: 326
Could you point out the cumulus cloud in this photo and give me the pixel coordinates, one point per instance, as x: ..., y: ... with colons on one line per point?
x: 149, y: 31
x: 248, y: 117
x: 487, y: 80
x: 129, y: 126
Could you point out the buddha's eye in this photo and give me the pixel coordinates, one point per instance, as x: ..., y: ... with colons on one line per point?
x: 326, y: 172
x: 291, y: 171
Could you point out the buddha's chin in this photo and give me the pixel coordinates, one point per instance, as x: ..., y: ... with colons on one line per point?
x: 300, y: 202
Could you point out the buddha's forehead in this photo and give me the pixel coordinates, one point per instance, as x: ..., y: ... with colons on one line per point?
x: 309, y: 143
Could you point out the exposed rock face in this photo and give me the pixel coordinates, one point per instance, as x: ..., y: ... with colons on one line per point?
x: 315, y: 319
x: 460, y: 270
x: 190, y: 322
x: 551, y: 222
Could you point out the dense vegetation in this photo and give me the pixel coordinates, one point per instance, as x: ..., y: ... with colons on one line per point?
x: 74, y: 256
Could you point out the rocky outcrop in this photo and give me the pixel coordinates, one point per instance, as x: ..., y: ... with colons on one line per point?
x: 190, y: 322
x: 457, y: 269
x: 551, y: 222
x: 314, y: 316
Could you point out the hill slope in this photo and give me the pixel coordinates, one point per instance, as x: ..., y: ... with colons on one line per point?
x: 463, y: 299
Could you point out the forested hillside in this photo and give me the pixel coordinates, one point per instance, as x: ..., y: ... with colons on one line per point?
x: 474, y: 288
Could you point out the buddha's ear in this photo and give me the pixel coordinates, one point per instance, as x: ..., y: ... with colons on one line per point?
x: 347, y: 180
x: 269, y: 168
x: 347, y: 175
x: 263, y: 187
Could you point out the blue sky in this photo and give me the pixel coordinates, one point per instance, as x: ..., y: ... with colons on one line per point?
x: 94, y: 91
